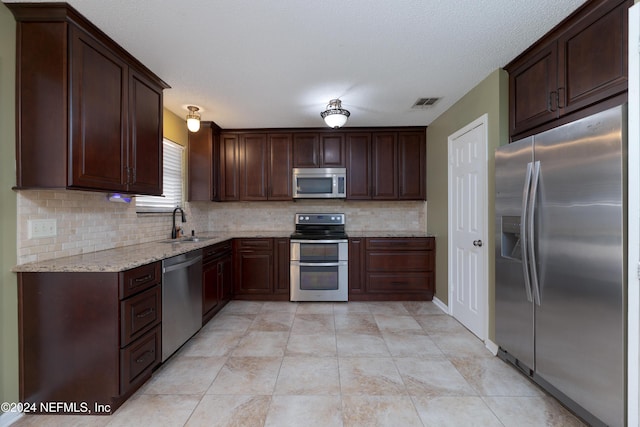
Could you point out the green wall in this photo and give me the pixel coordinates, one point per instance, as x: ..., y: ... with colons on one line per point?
x: 8, y: 215
x: 491, y: 97
x: 174, y: 128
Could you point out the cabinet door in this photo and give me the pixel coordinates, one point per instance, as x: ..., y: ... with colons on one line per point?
x: 210, y: 294
x: 358, y: 166
x: 98, y: 97
x: 384, y: 166
x: 145, y: 136
x: 283, y: 263
x: 411, y: 165
x: 229, y: 176
x: 332, y: 151
x: 253, y: 273
x: 253, y: 266
x: 225, y: 278
x: 280, y: 164
x: 533, y: 96
x: 306, y: 149
x: 200, y: 175
x: 356, y: 266
x: 253, y: 166
x: 593, y: 57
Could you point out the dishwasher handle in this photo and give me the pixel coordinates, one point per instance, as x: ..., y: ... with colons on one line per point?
x: 180, y: 265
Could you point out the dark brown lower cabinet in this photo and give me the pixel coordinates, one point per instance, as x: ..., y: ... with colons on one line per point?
x: 88, y: 338
x: 217, y: 278
x: 260, y: 269
x: 391, y: 269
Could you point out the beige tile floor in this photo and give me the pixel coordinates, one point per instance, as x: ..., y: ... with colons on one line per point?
x: 325, y: 364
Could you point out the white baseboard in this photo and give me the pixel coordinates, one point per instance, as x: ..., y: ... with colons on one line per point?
x: 442, y: 306
x: 8, y: 418
x: 491, y: 346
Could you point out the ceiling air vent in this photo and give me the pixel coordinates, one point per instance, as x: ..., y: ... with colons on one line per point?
x: 423, y: 103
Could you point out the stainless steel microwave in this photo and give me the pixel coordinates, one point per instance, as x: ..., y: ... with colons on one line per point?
x: 319, y: 183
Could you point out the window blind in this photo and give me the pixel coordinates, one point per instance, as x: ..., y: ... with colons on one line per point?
x: 172, y: 171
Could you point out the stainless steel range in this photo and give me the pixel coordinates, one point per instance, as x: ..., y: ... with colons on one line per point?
x: 319, y: 258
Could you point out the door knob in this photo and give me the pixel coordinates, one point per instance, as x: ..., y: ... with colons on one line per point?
x: 477, y: 243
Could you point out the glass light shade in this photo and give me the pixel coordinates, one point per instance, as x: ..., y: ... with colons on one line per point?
x: 193, y: 124
x: 193, y: 119
x: 335, y: 120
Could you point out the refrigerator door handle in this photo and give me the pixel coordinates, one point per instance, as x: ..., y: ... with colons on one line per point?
x: 523, y: 231
x: 531, y: 225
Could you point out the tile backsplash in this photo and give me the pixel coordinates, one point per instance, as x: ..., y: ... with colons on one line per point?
x: 88, y: 222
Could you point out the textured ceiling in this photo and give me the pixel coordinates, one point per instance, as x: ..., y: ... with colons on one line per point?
x: 256, y: 63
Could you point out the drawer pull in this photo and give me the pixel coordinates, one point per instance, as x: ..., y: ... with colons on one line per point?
x: 143, y: 278
x: 145, y: 313
x: 399, y: 283
x: 143, y: 358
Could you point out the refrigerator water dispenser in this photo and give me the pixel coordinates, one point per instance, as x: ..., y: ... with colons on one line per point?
x: 511, y: 247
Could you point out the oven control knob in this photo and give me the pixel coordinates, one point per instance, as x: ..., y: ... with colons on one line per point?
x: 306, y: 218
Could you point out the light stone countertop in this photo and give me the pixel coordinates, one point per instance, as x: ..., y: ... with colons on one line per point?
x: 395, y: 233
x: 128, y: 257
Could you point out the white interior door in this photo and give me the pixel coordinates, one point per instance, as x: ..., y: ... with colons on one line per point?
x: 468, y: 226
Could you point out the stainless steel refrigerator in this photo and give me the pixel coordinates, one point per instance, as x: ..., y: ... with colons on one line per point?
x: 561, y: 262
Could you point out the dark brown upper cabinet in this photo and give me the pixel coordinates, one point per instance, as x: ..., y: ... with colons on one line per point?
x: 280, y: 164
x: 255, y: 165
x: 359, y: 166
x: 386, y: 165
x: 203, y: 163
x: 318, y: 149
x: 412, y: 157
x: 233, y: 166
x: 89, y: 114
x: 580, y: 63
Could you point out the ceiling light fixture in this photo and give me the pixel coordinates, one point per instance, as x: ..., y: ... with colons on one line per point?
x: 335, y: 116
x: 193, y: 119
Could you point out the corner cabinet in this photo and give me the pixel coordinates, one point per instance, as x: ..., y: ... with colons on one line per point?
x: 88, y: 337
x: 89, y: 114
x: 580, y: 63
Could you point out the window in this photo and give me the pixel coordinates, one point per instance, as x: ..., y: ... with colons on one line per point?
x: 172, y: 155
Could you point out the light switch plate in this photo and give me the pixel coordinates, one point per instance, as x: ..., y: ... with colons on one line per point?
x: 38, y: 228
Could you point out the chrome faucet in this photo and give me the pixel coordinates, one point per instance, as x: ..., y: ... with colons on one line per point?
x: 174, y: 232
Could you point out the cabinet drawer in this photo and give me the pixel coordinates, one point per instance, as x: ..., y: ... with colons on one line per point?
x: 400, y: 261
x: 139, y: 313
x: 138, y: 279
x: 396, y: 282
x: 263, y: 244
x: 214, y: 251
x: 138, y: 359
x: 412, y: 243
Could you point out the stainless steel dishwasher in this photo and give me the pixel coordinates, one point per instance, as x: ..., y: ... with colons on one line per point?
x: 181, y: 300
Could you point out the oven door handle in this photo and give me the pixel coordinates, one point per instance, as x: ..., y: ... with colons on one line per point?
x: 319, y: 264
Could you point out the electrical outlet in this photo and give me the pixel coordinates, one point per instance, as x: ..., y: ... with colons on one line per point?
x: 38, y: 228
